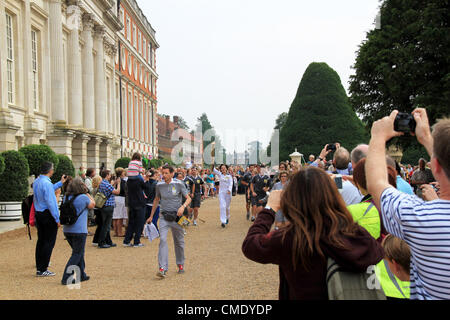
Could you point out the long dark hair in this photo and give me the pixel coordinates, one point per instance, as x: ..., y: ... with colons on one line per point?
x: 316, y: 211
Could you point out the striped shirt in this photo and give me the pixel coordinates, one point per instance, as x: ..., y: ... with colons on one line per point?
x: 134, y: 168
x: 425, y: 226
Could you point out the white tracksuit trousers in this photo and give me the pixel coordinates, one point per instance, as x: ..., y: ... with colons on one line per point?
x: 224, y: 202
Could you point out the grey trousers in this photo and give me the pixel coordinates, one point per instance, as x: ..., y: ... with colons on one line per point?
x: 178, y: 239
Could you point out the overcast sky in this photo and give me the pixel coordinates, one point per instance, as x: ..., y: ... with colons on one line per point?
x: 241, y: 61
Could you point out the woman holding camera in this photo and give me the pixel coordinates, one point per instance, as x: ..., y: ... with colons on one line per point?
x: 76, y: 234
x: 320, y: 226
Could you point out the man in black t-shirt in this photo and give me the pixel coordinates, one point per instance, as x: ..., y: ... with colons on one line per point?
x: 259, y: 186
x: 246, y: 180
x: 197, y: 186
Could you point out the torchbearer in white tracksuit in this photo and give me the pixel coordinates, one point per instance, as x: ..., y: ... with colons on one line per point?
x: 225, y: 189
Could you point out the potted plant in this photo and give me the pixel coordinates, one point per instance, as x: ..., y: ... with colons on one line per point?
x: 14, y: 185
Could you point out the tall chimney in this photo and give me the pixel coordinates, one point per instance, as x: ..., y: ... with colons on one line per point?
x: 175, y: 120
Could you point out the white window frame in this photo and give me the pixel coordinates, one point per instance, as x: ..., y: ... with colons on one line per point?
x: 122, y: 18
x: 139, y: 42
x: 130, y: 64
x: 135, y: 70
x: 134, y: 35
x: 35, y: 68
x: 141, y: 118
x: 136, y: 117
x: 144, y: 48
x: 128, y: 28
x: 10, y: 63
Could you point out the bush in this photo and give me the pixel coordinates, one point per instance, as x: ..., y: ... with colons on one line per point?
x: 14, y: 180
x: 2, y: 164
x: 36, y: 154
x: 65, y: 166
x: 168, y: 161
x: 122, y: 162
x: 156, y: 163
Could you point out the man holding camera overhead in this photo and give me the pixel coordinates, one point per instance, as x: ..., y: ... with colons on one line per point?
x: 422, y: 224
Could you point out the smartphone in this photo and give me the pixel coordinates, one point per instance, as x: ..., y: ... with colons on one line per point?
x: 338, y: 181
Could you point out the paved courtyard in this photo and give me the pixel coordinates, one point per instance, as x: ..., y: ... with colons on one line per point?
x: 215, y: 266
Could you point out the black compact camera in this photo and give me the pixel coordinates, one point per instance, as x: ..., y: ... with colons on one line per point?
x: 404, y: 122
x: 332, y: 147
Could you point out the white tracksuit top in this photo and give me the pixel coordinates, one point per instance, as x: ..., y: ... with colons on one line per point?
x: 225, y: 182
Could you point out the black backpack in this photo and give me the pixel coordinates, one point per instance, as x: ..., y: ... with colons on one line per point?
x: 26, y: 208
x: 68, y: 213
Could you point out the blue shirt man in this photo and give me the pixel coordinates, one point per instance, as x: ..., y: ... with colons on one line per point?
x: 44, y: 196
x: 47, y: 217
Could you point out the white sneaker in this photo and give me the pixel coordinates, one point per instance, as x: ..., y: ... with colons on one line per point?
x: 45, y: 274
x: 195, y: 223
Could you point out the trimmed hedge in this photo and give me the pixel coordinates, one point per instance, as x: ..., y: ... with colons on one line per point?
x: 65, y: 166
x: 36, y: 154
x: 14, y: 179
x: 2, y: 164
x: 122, y: 162
x: 156, y: 163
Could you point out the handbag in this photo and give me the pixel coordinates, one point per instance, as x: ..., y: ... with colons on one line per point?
x: 100, y: 200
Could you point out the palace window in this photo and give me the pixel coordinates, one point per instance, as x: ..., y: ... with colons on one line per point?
x: 10, y: 58
x: 35, y: 68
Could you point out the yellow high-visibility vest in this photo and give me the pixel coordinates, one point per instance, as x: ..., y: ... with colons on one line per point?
x: 366, y: 215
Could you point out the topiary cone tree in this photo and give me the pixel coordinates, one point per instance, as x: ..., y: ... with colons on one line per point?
x: 320, y: 114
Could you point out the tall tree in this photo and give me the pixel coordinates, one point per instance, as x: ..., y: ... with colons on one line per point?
x: 182, y: 123
x: 320, y: 114
x: 404, y: 62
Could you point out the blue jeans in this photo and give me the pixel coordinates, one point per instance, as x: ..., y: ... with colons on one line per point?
x: 77, y: 242
x: 136, y: 223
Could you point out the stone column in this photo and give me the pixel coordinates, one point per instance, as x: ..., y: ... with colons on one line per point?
x: 80, y: 151
x: 58, y: 110
x: 100, y: 85
x: 93, y: 153
x: 74, y: 67
x: 106, y: 154
x: 88, y: 74
x: 61, y: 142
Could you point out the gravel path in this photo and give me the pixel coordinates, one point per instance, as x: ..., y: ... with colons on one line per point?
x: 215, y: 266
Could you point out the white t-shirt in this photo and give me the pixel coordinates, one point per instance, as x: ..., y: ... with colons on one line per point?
x: 350, y: 193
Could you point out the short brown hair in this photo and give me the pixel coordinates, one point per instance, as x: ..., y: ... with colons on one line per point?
x: 441, y: 147
x: 168, y: 167
x: 359, y: 174
x: 398, y: 250
x: 104, y: 173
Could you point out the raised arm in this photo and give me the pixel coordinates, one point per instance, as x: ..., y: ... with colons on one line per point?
x: 376, y: 170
